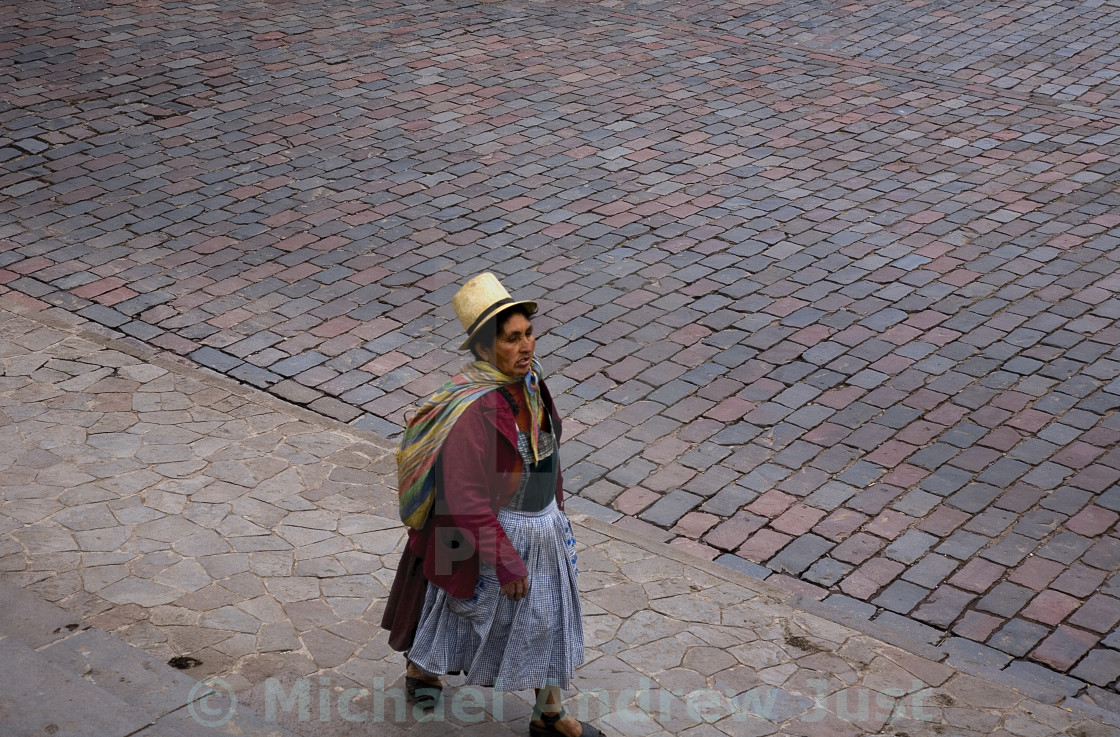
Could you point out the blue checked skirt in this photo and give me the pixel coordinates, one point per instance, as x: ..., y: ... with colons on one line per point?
x: 511, y: 646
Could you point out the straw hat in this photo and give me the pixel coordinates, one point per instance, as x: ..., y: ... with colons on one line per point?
x: 480, y: 299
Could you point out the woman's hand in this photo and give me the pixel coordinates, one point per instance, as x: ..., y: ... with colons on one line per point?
x: 516, y: 590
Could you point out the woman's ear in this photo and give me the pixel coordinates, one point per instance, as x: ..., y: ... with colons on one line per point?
x: 484, y: 352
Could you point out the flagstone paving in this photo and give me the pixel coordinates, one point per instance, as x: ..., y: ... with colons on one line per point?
x: 258, y: 560
x: 829, y: 295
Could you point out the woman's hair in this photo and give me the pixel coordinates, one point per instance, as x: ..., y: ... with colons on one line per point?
x: 488, y: 333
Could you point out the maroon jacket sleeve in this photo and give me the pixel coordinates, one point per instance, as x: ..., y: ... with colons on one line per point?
x: 471, y: 492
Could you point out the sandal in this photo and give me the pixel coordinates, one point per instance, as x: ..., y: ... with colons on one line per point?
x: 421, y: 693
x: 549, y: 729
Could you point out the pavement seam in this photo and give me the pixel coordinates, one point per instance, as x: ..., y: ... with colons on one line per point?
x: 187, y: 368
x: 932, y: 79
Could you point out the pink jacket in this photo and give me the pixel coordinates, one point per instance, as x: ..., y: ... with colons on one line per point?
x: 476, y: 475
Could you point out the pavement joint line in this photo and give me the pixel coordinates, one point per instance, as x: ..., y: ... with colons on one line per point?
x: 932, y: 79
x: 773, y: 591
x: 81, y: 629
x: 778, y: 593
x: 186, y: 367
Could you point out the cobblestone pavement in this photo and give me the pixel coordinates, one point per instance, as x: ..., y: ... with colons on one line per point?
x: 823, y: 301
x: 1065, y: 51
x: 191, y: 517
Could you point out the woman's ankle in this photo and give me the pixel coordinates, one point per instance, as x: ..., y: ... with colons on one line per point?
x: 414, y: 671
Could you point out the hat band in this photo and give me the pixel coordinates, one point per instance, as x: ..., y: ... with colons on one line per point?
x: 487, y: 314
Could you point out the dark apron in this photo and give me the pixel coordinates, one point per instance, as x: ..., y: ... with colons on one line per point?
x: 540, y: 489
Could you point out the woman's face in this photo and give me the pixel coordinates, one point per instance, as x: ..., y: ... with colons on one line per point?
x: 512, y: 353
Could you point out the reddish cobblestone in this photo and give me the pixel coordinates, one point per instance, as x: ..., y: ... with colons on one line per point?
x: 634, y: 500
x: 1050, y: 607
x: 866, y: 580
x: 840, y: 524
x: 891, y: 453
x: 669, y: 477
x: 881, y: 571
x: 857, y: 548
x: 730, y: 409
x: 692, y: 547
x: 1092, y: 521
x: 771, y: 504
x: 942, y: 521
x: 1064, y: 647
x: 889, y: 524
x: 732, y: 532
x: 694, y: 524
x: 977, y: 575
x: 976, y: 626
x: 797, y: 520
x: 1036, y: 572
x: 762, y: 545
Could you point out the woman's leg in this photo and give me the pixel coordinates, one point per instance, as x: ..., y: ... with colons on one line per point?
x: 549, y: 702
x: 424, y: 689
x: 414, y: 671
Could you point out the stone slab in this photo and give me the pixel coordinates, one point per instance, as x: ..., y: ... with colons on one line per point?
x: 128, y: 673
x: 41, y: 699
x: 31, y: 620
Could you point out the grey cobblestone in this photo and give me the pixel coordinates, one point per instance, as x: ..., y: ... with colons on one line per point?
x: 911, y: 546
x: 931, y: 570
x: 909, y: 630
x: 1005, y: 599
x: 974, y: 497
x: 943, y: 606
x: 1100, y: 667
x: 990, y: 523
x: 1038, y: 682
x: 1010, y: 550
x: 900, y: 597
x: 1018, y: 636
x: 215, y: 359
x: 670, y: 508
x: 827, y: 572
x: 754, y: 570
x: 973, y: 657
x: 800, y: 554
x: 962, y: 545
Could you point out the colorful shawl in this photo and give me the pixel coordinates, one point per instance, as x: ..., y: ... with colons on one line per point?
x: 428, y: 429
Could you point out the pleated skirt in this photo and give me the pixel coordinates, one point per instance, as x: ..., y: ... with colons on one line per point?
x: 511, y: 646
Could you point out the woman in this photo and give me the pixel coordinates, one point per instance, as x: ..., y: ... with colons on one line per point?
x: 487, y: 584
